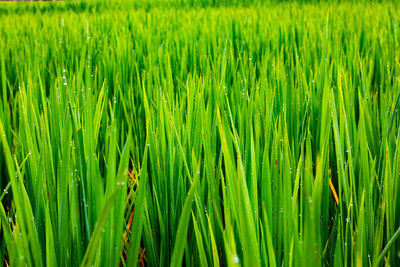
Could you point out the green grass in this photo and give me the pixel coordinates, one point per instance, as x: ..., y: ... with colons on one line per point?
x: 200, y: 133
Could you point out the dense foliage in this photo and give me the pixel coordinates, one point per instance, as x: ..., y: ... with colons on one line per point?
x: 161, y: 133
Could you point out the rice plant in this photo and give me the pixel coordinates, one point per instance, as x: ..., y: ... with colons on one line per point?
x: 199, y: 133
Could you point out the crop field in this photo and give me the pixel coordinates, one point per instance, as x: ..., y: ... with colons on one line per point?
x: 200, y: 133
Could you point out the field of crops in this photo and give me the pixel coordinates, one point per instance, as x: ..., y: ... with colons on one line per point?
x: 209, y: 133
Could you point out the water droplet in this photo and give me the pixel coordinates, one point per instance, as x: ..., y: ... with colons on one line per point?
x: 235, y: 258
